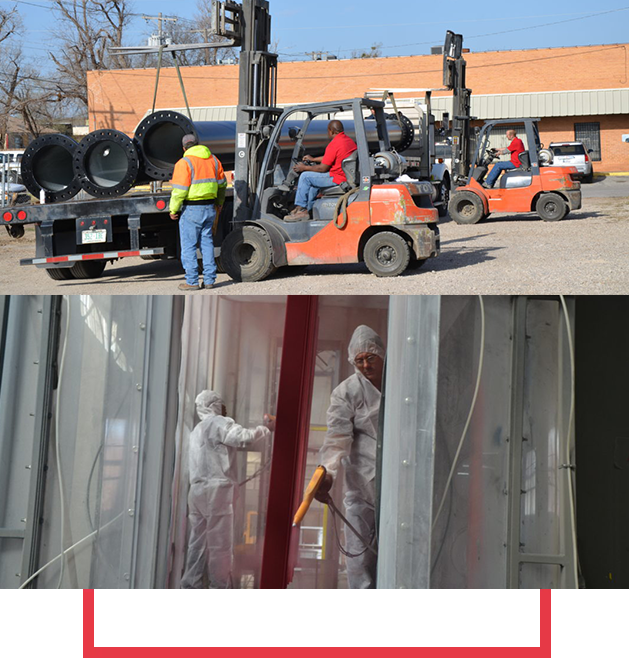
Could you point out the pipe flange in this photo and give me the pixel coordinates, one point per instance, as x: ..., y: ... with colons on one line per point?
x: 107, y: 163
x: 160, y: 145
x: 408, y: 133
x: 47, y: 165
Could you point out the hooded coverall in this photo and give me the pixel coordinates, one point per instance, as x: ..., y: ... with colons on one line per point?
x: 352, y: 420
x: 212, y: 455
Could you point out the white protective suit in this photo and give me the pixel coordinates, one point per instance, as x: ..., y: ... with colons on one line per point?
x: 212, y: 455
x: 351, y: 440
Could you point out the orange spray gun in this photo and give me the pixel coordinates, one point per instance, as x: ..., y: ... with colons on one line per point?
x: 311, y: 490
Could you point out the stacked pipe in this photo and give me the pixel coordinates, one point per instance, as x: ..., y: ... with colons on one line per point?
x: 108, y: 163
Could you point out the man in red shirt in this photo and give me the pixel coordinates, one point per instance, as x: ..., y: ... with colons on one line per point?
x: 325, y: 172
x: 515, y: 148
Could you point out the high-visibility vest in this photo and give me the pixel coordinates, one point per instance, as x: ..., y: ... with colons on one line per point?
x: 198, y: 176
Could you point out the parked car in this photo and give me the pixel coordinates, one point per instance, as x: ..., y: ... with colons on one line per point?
x: 573, y: 154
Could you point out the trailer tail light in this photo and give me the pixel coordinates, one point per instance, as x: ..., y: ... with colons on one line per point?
x: 7, y: 216
x: 21, y: 215
x: 161, y: 204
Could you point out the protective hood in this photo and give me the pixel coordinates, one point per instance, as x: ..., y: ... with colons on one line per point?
x: 209, y: 403
x: 365, y: 339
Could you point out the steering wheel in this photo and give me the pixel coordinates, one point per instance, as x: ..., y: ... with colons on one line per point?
x: 291, y: 178
x: 489, y: 156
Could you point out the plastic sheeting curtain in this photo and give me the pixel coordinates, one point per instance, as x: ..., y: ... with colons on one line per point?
x: 231, y: 345
x: 92, y: 478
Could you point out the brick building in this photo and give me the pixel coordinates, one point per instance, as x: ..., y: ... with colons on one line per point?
x: 579, y: 93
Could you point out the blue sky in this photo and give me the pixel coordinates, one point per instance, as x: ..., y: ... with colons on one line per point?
x: 339, y: 28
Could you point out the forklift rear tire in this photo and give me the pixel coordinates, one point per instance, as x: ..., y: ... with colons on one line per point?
x: 387, y: 254
x: 466, y: 207
x: 88, y: 269
x: 60, y: 273
x: 247, y: 254
x: 551, y: 207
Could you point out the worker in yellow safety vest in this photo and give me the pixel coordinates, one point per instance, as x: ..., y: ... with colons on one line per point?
x: 199, y: 186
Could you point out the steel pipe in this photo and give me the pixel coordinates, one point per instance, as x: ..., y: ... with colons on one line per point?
x: 107, y: 163
x: 47, y: 164
x: 158, y: 138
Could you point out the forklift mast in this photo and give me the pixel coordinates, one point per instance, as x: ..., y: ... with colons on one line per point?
x: 454, y: 66
x: 249, y: 24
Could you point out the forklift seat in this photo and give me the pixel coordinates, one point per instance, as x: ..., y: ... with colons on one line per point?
x: 350, y: 169
x: 525, y: 161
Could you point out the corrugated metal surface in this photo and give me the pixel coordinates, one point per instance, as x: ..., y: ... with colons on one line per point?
x: 543, y: 104
x: 495, y: 106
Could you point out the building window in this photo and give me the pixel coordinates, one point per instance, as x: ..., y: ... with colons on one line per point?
x: 590, y: 135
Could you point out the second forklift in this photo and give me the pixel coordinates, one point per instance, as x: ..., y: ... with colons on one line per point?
x: 535, y: 186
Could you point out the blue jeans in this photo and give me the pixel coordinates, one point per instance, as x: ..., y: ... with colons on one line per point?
x: 309, y: 186
x: 499, y: 167
x: 195, y: 230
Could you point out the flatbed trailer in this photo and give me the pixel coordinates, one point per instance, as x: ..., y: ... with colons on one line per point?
x: 75, y: 239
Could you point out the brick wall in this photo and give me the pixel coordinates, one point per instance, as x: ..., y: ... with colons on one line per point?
x: 119, y: 99
x: 614, y: 153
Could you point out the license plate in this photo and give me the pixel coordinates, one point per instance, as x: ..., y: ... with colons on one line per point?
x: 90, y: 237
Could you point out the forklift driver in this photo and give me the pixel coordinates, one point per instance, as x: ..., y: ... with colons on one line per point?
x: 325, y: 172
x: 515, y: 148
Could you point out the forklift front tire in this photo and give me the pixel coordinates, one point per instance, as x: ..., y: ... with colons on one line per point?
x: 466, y: 207
x: 247, y: 254
x: 551, y: 207
x: 387, y: 254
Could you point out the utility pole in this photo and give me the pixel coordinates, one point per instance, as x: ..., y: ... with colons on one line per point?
x: 205, y: 32
x: 159, y: 18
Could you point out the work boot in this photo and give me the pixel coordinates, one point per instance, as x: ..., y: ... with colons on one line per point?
x: 207, y: 286
x: 297, y: 214
x: 187, y: 286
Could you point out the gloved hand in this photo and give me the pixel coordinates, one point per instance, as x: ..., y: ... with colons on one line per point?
x: 322, y: 494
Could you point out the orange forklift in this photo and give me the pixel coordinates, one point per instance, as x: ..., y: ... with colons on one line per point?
x: 536, y: 186
x: 371, y: 218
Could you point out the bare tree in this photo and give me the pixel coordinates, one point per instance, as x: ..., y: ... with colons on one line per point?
x: 86, y: 29
x: 10, y: 23
x: 374, y: 51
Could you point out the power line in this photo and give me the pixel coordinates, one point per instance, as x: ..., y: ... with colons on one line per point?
x: 492, y: 34
x: 423, y: 23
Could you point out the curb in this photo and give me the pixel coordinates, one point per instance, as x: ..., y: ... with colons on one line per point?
x: 615, y: 173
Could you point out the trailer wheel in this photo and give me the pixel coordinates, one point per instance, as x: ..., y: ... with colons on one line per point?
x: 60, y: 273
x: 466, y: 207
x: 247, y: 254
x: 551, y: 207
x: 88, y: 269
x: 387, y: 254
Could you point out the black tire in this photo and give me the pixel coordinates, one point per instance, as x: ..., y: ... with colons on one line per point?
x: 219, y: 266
x: 387, y: 254
x: 466, y: 207
x: 88, y: 269
x: 442, y: 208
x: 60, y: 273
x: 551, y: 207
x: 247, y: 254
x: 589, y: 178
